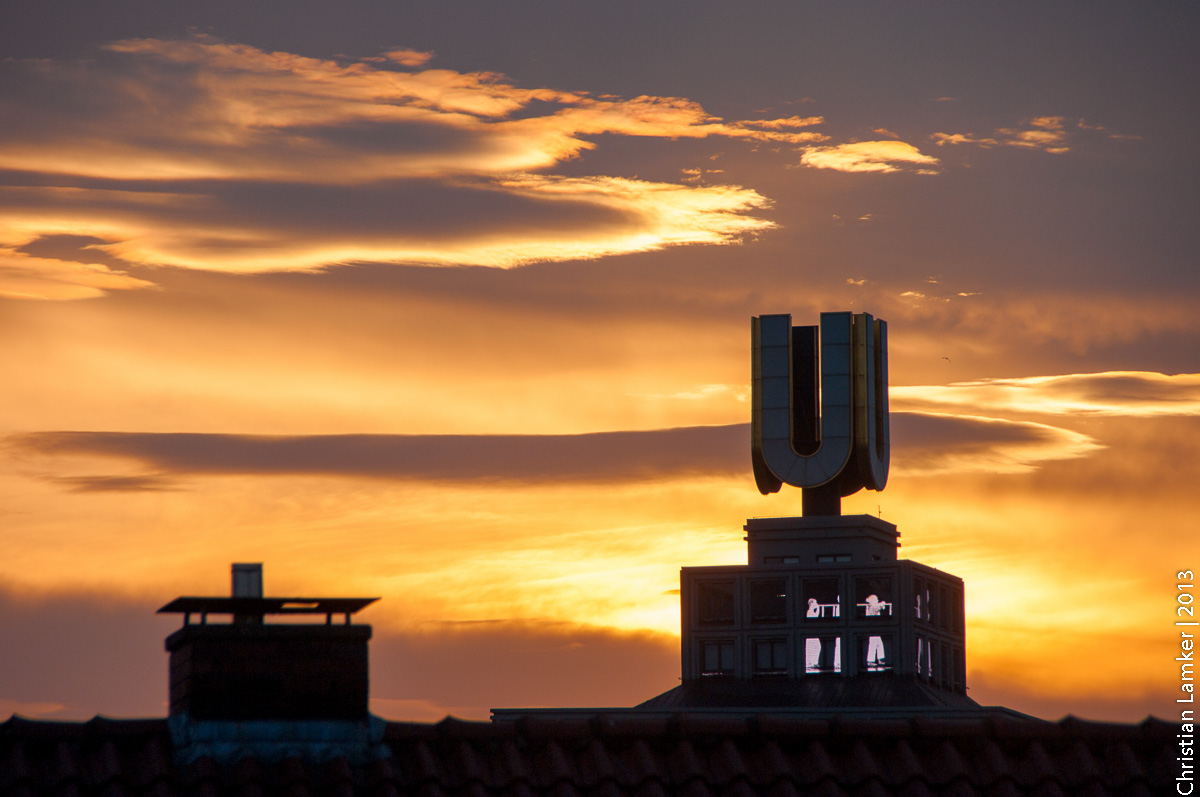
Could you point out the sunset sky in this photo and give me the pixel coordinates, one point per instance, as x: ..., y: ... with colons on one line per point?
x: 449, y: 303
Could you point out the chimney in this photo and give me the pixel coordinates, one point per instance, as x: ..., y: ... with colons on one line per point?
x: 246, y: 580
x: 240, y: 668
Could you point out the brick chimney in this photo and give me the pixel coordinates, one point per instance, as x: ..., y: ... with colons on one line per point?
x: 245, y: 669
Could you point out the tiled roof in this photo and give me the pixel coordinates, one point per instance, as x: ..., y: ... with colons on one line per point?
x: 619, y: 755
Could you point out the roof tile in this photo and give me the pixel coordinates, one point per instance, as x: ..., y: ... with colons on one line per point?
x: 725, y: 763
x: 1121, y: 765
x: 860, y: 766
x: 554, y: 766
x: 815, y: 764
x: 769, y: 767
x: 1036, y: 768
x: 946, y: 765
x: 642, y: 767
x: 510, y: 766
x: 903, y: 765
x: 597, y: 766
x: 684, y: 765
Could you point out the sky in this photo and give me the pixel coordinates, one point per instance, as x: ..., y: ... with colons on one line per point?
x: 449, y: 304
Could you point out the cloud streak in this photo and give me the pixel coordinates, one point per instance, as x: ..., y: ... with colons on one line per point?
x: 924, y: 444
x: 1112, y: 393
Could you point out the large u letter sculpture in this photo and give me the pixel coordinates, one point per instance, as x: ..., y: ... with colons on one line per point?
x: 842, y: 446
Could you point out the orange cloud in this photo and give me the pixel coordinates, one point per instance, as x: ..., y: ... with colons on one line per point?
x: 210, y: 155
x: 869, y: 156
x: 25, y: 277
x: 1111, y: 393
x: 1047, y: 133
x: 278, y: 116
x: 409, y: 57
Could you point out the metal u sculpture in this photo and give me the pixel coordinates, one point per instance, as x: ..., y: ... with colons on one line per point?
x: 819, y: 417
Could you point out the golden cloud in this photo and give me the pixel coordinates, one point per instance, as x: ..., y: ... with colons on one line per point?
x: 1047, y: 133
x: 207, y: 109
x: 25, y: 277
x: 869, y: 156
x: 211, y: 155
x: 1111, y: 393
x: 406, y: 57
x: 503, y: 223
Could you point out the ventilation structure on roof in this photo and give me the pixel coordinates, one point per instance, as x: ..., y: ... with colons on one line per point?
x: 240, y: 683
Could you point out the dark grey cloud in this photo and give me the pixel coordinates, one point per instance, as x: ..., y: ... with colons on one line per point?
x: 115, y: 484
x: 920, y: 443
x: 1134, y: 392
x: 913, y: 431
x: 75, y: 655
x: 598, y: 457
x: 86, y: 652
x: 75, y: 248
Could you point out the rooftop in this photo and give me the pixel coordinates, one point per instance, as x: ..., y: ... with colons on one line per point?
x: 619, y: 755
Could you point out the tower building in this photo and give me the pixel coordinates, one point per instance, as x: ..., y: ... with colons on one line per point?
x: 824, y: 614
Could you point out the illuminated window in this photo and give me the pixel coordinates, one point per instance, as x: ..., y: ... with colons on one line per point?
x: 923, y: 606
x: 873, y: 597
x: 715, y: 602
x: 924, y: 658
x: 716, y: 658
x: 770, y: 657
x: 874, y: 652
x: 768, y: 601
x: 822, y: 599
x: 823, y: 654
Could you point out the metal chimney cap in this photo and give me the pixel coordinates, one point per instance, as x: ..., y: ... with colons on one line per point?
x: 246, y: 580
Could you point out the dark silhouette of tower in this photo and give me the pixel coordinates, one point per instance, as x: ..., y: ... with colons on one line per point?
x: 823, y: 614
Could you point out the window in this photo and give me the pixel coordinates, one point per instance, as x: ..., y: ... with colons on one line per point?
x: 715, y: 602
x: 924, y: 658
x: 768, y: 601
x: 822, y: 654
x: 770, y: 657
x: 822, y: 599
x: 781, y: 560
x: 830, y: 558
x: 716, y: 657
x: 874, y: 653
x: 873, y: 597
x: 921, y: 597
